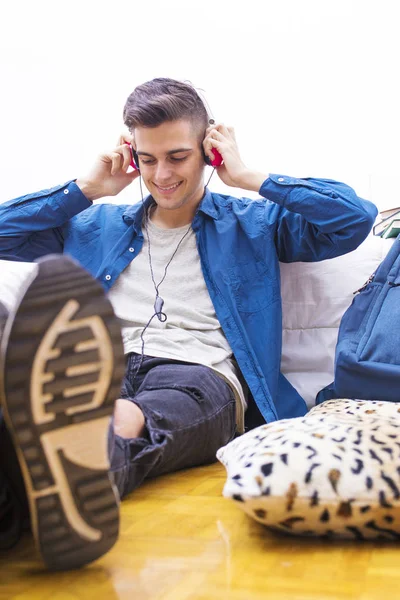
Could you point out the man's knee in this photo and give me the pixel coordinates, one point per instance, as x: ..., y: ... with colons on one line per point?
x: 128, y: 419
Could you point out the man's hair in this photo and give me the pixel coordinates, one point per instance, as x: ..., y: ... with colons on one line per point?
x: 161, y: 100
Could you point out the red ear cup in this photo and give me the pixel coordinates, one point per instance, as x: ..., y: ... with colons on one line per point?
x: 218, y: 160
x: 134, y: 158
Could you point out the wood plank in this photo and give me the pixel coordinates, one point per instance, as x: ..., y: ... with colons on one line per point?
x: 181, y: 540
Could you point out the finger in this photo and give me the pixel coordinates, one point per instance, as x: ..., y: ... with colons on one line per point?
x: 113, y: 158
x: 216, y: 135
x: 207, y: 145
x: 125, y: 138
x: 126, y: 155
x: 225, y: 130
x: 211, y: 143
x: 116, y: 162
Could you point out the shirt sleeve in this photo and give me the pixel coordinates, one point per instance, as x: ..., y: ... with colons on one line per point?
x: 31, y: 226
x: 315, y: 219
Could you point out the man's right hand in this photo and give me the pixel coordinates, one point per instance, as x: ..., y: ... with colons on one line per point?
x: 108, y: 176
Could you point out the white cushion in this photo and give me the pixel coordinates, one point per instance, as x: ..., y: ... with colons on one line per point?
x: 334, y: 472
x: 314, y: 298
x: 13, y: 280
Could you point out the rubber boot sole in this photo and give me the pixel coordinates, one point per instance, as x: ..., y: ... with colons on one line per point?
x: 62, y: 365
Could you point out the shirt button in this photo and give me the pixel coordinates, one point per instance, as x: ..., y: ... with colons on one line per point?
x: 281, y: 179
x: 66, y: 191
x: 131, y: 250
x: 108, y: 277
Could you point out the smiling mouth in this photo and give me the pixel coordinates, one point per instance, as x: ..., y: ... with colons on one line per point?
x: 169, y: 188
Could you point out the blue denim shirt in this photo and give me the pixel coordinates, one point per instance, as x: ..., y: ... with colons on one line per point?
x: 240, y: 243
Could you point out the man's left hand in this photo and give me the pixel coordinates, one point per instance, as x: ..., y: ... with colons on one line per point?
x: 233, y: 171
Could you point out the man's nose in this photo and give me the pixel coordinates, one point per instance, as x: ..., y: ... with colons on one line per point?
x: 163, y: 171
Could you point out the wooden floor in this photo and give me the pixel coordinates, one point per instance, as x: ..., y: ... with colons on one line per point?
x: 181, y: 540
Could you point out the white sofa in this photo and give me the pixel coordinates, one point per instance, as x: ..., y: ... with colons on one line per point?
x: 315, y: 296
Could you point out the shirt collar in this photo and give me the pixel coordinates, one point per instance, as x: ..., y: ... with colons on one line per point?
x: 133, y: 215
x: 207, y: 205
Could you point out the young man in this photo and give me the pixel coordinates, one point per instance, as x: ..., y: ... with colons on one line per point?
x: 193, y: 278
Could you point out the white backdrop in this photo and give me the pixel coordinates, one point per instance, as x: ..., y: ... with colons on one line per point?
x: 311, y: 86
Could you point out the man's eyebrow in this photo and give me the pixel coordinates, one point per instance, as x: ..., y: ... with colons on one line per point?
x: 175, y: 151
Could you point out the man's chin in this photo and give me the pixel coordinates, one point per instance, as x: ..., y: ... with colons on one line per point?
x: 169, y: 203
x: 172, y: 201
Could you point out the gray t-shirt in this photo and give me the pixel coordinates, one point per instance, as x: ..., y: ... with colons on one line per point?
x: 192, y: 331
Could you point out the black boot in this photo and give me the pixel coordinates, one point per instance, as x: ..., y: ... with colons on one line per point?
x: 60, y: 372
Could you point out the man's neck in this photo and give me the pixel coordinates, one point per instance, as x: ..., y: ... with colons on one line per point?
x: 172, y: 219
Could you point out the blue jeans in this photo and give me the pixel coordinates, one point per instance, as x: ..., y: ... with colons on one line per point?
x: 189, y: 413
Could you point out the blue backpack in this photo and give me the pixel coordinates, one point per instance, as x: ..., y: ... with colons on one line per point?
x: 367, y: 358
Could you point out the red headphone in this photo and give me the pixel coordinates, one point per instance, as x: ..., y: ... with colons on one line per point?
x: 216, y: 162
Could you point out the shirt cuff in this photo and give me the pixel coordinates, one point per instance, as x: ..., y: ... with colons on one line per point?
x: 73, y: 201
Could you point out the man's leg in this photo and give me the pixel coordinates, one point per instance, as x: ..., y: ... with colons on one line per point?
x: 12, y: 506
x: 14, y: 511
x: 10, y: 517
x: 60, y: 372
x: 188, y: 413
x: 3, y: 318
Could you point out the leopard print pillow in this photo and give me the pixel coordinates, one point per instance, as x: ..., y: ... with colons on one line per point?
x: 333, y: 473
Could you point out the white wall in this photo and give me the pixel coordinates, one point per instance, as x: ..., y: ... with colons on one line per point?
x: 311, y: 86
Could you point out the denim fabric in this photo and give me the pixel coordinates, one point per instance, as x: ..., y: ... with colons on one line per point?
x: 10, y: 521
x: 240, y: 243
x: 189, y: 413
x: 14, y: 511
x: 3, y: 318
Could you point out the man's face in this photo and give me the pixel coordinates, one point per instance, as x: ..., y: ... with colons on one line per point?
x: 171, y: 163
